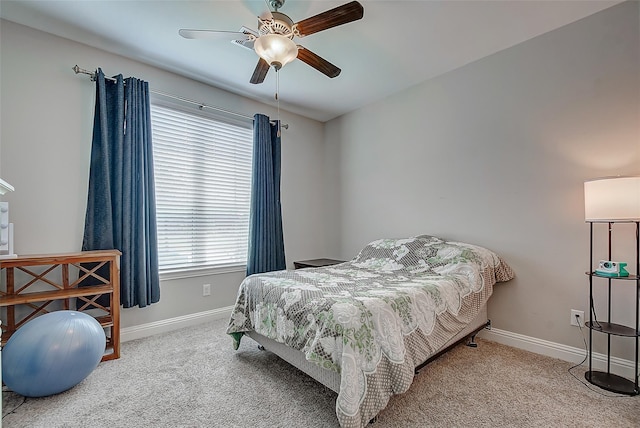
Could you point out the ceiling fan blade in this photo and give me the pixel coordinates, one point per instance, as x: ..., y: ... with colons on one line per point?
x: 331, y: 18
x: 247, y: 44
x: 212, y: 34
x: 320, y: 64
x: 260, y: 72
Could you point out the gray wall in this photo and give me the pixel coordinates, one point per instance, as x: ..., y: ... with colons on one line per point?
x: 495, y: 153
x: 47, y: 120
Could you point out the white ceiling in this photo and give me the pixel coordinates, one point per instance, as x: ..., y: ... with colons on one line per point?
x: 396, y: 45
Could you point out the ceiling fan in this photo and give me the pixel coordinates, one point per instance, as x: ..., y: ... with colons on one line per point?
x: 273, y: 42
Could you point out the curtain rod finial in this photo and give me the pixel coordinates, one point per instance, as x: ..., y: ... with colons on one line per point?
x: 79, y: 70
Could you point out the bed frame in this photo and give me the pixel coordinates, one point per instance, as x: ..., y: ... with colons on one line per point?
x: 331, y: 379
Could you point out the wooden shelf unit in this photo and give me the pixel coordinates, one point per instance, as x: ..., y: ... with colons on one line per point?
x: 55, y: 285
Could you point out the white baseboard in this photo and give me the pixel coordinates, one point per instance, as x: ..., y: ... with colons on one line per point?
x: 163, y: 326
x: 619, y: 366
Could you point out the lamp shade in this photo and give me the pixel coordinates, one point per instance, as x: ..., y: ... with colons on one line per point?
x: 612, y: 199
x: 277, y: 50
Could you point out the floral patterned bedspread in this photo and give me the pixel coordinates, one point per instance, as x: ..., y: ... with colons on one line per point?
x: 367, y: 318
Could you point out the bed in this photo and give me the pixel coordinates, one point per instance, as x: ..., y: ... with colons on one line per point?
x: 362, y: 327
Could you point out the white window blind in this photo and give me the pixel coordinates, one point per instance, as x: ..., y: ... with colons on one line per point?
x: 203, y: 189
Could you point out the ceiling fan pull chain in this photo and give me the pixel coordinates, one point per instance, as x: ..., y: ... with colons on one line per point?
x: 278, y: 99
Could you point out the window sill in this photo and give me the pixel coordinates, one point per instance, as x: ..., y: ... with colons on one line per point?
x: 197, y: 272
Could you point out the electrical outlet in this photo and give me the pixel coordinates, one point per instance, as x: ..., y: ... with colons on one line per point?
x: 580, y: 317
x: 206, y: 289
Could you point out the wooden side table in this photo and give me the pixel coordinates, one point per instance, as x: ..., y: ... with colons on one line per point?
x: 32, y: 283
x: 314, y: 263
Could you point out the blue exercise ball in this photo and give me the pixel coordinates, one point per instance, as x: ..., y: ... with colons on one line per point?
x: 52, y: 353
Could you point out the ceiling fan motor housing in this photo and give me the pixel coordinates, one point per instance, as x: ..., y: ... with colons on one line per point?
x: 280, y: 24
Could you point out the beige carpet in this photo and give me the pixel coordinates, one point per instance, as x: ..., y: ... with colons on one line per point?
x: 193, y: 378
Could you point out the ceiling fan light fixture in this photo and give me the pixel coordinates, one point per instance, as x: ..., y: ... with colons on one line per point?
x: 276, y: 50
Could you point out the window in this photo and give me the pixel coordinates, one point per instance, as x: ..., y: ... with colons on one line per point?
x: 203, y: 189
